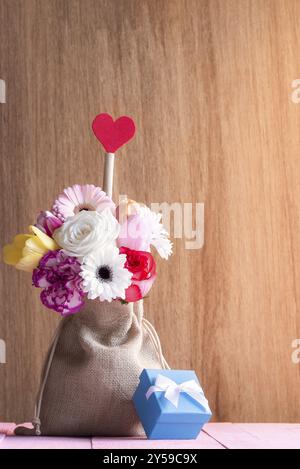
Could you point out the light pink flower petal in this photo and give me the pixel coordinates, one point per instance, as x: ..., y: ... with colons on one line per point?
x: 145, y: 285
x: 74, y: 194
x: 78, y: 193
x: 134, y: 234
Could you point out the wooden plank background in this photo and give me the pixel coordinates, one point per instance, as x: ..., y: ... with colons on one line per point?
x: 209, y: 86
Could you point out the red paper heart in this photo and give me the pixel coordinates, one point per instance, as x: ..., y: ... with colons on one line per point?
x: 113, y: 134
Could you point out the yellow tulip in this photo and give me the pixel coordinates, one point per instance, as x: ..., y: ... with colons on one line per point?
x: 27, y: 250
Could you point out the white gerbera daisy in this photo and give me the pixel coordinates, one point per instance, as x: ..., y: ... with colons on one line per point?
x: 104, y: 275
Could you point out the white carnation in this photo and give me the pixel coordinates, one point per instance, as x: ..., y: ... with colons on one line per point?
x: 159, y: 237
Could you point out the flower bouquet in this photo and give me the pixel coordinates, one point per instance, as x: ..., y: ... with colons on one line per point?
x: 81, y: 249
x: 85, y: 248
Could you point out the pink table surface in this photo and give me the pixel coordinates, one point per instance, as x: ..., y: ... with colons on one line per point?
x: 213, y: 436
x: 256, y: 435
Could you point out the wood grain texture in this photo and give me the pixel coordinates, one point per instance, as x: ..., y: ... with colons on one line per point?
x: 208, y: 84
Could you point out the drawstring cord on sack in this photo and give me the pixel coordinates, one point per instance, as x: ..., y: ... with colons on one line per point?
x: 156, y: 342
x: 150, y: 329
x: 48, y: 362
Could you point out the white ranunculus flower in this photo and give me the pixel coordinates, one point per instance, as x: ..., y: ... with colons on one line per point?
x: 87, y: 231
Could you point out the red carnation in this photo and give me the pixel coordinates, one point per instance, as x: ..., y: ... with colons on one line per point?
x: 142, y: 265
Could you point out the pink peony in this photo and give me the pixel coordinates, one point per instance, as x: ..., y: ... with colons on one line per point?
x: 58, y: 275
x: 135, y: 234
x: 48, y: 223
x: 77, y: 198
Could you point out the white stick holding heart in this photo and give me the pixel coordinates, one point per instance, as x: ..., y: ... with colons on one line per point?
x: 108, y: 176
x: 112, y: 134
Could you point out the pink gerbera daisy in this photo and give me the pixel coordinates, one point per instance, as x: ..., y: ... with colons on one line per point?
x: 77, y: 198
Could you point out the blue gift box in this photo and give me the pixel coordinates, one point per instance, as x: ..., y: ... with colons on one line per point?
x: 173, y: 409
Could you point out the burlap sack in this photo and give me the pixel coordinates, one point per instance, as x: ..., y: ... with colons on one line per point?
x: 92, y: 370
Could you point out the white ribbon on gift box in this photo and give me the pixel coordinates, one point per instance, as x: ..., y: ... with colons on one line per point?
x: 172, y: 390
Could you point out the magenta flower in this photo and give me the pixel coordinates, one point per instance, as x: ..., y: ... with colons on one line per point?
x: 58, y: 275
x: 48, y: 223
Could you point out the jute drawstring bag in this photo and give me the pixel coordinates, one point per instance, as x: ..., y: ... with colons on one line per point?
x: 92, y: 370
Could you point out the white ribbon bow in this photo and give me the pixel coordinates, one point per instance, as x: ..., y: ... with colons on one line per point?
x: 172, y: 390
